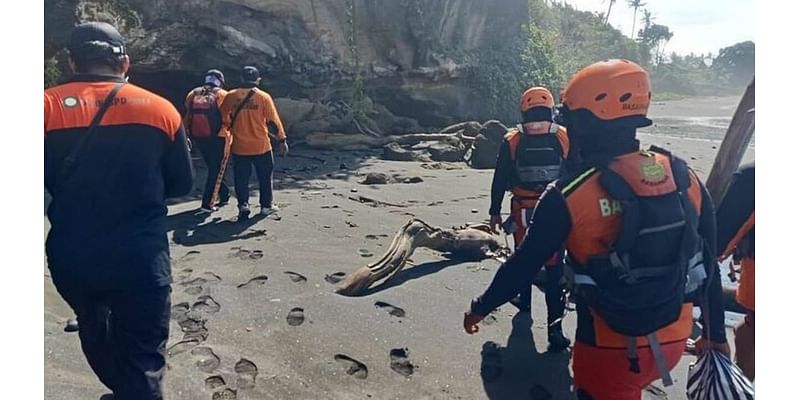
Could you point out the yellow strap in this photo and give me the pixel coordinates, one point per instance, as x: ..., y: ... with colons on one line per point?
x: 578, y: 180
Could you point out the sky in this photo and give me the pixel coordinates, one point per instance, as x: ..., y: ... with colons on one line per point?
x: 699, y: 26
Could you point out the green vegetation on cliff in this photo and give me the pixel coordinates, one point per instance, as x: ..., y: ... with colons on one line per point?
x: 558, y: 40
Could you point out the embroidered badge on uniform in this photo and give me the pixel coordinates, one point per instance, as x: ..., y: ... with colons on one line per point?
x: 652, y: 172
x: 70, y: 102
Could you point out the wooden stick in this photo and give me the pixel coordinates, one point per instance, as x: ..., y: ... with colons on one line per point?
x: 733, y: 146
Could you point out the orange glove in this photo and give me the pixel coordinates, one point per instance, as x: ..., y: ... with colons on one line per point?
x: 471, y: 321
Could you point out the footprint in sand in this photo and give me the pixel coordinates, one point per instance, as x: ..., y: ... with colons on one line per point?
x: 490, y: 319
x: 392, y: 310
x: 354, y: 367
x: 365, y: 253
x: 375, y: 237
x: 193, y: 282
x: 179, y: 310
x: 296, y: 317
x: 538, y: 392
x: 207, y: 361
x: 193, y: 328
x: 214, y: 381
x: 184, y: 274
x: 258, y: 280
x: 181, y: 347
x: 211, y: 277
x: 226, y: 394
x: 492, y: 362
x: 206, y: 304
x: 190, y: 256
x: 193, y: 290
x: 247, y: 371
x: 398, y: 361
x: 295, y: 277
x: 335, y: 277
x: 245, y: 254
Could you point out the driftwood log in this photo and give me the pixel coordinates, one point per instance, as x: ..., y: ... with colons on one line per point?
x: 469, y: 242
x: 340, y: 141
x: 734, y: 145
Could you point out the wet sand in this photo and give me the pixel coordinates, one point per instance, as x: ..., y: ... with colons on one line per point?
x: 274, y: 329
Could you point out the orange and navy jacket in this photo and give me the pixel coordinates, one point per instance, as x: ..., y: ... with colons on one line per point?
x: 250, y: 131
x: 736, y: 223
x: 577, y: 213
x: 108, y: 220
x: 187, y: 118
x: 504, y: 171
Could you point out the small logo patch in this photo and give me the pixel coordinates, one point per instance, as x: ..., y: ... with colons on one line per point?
x: 651, y: 172
x: 71, y: 102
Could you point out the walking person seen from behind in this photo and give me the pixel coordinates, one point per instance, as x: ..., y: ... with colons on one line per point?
x: 250, y: 115
x: 203, y: 123
x: 640, y: 234
x: 113, y: 153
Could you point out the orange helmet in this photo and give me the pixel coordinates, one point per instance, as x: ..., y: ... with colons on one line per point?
x: 610, y: 89
x: 536, y: 97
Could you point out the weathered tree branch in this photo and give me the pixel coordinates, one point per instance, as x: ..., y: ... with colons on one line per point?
x: 733, y: 146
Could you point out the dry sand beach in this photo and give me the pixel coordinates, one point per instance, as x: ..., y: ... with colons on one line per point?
x: 257, y: 296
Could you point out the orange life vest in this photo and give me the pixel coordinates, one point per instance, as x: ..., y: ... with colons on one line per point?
x: 597, y: 220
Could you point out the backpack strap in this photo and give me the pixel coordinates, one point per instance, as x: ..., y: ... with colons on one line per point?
x: 71, y: 161
x: 658, y: 357
x: 241, y: 105
x: 621, y: 191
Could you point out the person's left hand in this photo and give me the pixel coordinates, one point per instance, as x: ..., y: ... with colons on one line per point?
x: 702, y: 345
x: 283, y: 149
x: 471, y: 321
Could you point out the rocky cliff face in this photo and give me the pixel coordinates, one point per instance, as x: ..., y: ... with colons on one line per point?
x: 413, y: 55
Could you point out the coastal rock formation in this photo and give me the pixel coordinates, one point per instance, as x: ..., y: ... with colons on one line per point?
x: 411, y: 57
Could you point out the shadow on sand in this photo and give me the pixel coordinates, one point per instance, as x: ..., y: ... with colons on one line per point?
x: 189, y: 230
x: 518, y: 371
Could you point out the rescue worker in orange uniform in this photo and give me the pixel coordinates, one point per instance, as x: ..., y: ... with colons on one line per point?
x: 640, y: 234
x: 250, y: 115
x: 203, y: 123
x: 531, y: 156
x: 113, y: 154
x: 736, y: 222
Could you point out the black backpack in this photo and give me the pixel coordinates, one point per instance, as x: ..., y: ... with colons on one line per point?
x: 657, y: 261
x: 538, y: 159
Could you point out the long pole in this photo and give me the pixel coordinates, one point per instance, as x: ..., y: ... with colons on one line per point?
x: 734, y: 145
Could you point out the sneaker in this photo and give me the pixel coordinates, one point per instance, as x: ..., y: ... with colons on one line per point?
x: 556, y: 340
x: 268, y: 210
x: 244, y: 211
x: 206, y: 210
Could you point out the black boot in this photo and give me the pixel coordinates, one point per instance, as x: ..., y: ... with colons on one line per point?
x: 555, y: 338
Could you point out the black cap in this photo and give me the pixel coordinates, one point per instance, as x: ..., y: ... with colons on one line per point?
x: 250, y: 74
x: 96, y: 40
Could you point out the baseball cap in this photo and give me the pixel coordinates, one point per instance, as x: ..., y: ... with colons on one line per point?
x: 92, y: 40
x: 215, y: 77
x: 250, y: 74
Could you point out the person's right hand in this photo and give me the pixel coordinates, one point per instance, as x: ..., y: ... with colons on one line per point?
x: 283, y: 149
x: 494, y: 222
